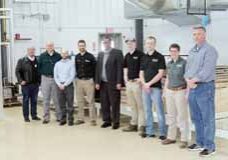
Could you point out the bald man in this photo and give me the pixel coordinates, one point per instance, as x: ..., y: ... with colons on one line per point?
x: 64, y: 74
x: 47, y: 61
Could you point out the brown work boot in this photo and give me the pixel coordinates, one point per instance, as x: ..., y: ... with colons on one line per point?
x: 79, y: 122
x: 142, y: 130
x: 168, y: 141
x: 130, y: 128
x: 93, y: 123
x: 183, y: 145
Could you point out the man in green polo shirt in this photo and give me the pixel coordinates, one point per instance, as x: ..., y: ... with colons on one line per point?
x: 46, y: 65
x: 176, y: 102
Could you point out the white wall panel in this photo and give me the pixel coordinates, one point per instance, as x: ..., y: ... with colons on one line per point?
x: 71, y: 20
x: 75, y: 16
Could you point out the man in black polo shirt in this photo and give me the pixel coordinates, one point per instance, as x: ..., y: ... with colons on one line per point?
x: 47, y: 61
x: 29, y: 79
x: 85, y: 66
x: 152, y: 70
x: 132, y: 62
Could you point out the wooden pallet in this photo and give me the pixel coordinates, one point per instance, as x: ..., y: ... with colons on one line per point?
x: 222, y: 74
x: 12, y: 102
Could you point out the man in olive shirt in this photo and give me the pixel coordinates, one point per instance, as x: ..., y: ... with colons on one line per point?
x: 151, y: 73
x: 47, y: 61
x: 175, y: 94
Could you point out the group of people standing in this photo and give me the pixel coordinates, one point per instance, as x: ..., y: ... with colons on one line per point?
x: 189, y: 86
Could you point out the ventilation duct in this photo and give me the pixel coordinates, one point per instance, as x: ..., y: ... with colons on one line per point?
x: 172, y: 10
x: 155, y: 5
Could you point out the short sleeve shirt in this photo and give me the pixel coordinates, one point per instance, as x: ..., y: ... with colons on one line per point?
x: 151, y: 64
x: 132, y: 63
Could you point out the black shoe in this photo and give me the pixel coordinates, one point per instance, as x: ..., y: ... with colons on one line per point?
x: 46, y: 121
x: 115, y: 126
x: 70, y: 123
x: 57, y: 120
x: 63, y: 122
x: 144, y: 135
x: 105, y: 125
x: 162, y: 138
x: 151, y: 136
x: 206, y: 152
x: 27, y: 120
x: 36, y: 118
x: 195, y: 147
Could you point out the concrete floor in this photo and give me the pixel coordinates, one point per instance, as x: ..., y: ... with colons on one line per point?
x: 35, y: 141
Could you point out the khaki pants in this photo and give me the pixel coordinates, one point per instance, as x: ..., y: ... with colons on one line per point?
x: 85, y: 91
x: 178, y: 115
x: 134, y: 97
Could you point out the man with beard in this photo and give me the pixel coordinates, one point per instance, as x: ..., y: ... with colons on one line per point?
x: 85, y: 64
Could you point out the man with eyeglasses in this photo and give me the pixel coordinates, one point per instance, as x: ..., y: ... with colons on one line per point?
x: 175, y: 95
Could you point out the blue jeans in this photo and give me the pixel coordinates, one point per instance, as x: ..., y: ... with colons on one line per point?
x: 30, y: 93
x: 154, y: 95
x: 202, y: 110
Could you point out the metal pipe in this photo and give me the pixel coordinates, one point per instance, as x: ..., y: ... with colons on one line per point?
x: 3, y: 39
x: 35, y: 2
x: 1, y: 86
x: 139, y: 33
x: 12, y: 58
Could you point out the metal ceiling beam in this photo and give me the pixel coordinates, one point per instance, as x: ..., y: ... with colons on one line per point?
x: 1, y: 87
x: 139, y: 33
x: 34, y: 1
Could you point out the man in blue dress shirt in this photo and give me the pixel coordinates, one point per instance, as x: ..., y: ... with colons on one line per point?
x: 200, y: 76
x: 64, y: 75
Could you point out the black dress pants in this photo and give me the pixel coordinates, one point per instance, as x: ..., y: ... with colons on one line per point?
x: 110, y: 102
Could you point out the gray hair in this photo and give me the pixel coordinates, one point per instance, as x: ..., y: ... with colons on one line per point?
x: 200, y: 27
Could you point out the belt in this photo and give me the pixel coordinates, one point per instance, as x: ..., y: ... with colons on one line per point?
x: 132, y: 80
x: 85, y: 78
x: 49, y: 76
x: 178, y: 88
x: 204, y: 82
x: 68, y: 84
